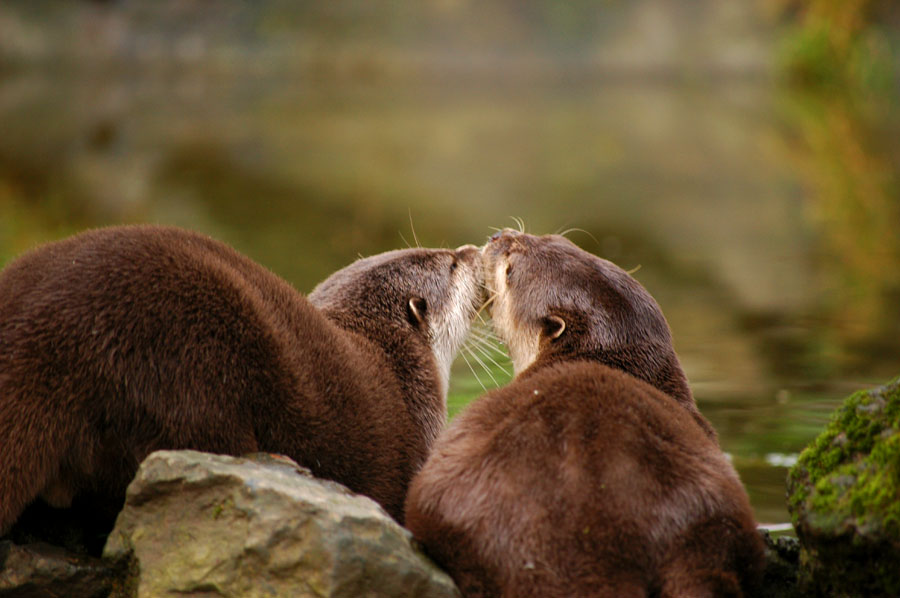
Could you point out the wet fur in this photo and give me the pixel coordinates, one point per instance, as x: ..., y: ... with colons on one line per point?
x: 121, y: 341
x: 592, y: 474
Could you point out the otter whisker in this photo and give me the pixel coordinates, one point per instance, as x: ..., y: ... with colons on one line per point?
x: 633, y: 270
x: 486, y: 354
x: 499, y: 360
x: 488, y: 291
x: 486, y: 303
x: 579, y: 230
x: 413, y: 229
x: 478, y: 312
x: 408, y: 246
x: 482, y: 331
x: 486, y: 335
x: 483, y: 365
x: 519, y: 222
x: 490, y: 346
x: 471, y: 369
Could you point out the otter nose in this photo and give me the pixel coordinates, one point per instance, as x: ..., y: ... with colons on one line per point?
x: 500, y: 233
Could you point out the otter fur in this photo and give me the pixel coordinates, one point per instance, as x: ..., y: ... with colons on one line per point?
x: 591, y: 474
x: 121, y: 341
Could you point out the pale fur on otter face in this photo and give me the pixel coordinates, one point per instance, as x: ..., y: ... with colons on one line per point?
x: 553, y: 301
x: 521, y: 338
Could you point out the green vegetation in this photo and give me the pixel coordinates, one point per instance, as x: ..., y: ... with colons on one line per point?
x: 482, y: 365
x: 24, y: 225
x: 844, y: 496
x: 836, y: 43
x: 841, y: 129
x: 856, y: 187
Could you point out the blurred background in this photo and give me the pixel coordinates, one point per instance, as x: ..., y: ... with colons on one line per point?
x: 744, y: 154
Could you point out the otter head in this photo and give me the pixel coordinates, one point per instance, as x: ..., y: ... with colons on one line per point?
x: 553, y: 301
x: 421, y: 296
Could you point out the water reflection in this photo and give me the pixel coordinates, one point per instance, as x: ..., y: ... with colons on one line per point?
x: 764, y: 223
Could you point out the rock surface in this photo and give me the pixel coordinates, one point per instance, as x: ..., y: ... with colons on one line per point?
x: 44, y: 571
x: 780, y: 577
x: 196, y: 524
x: 844, y: 498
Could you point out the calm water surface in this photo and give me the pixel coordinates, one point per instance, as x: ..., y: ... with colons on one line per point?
x: 763, y: 222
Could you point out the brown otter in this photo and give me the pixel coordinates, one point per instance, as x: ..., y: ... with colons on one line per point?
x: 592, y: 473
x: 120, y: 341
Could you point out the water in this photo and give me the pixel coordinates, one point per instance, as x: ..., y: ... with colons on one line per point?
x: 764, y: 221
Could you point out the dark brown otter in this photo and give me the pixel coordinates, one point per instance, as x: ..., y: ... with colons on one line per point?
x: 121, y: 341
x: 592, y: 473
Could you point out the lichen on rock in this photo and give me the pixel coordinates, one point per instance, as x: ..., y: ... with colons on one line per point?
x: 844, y: 499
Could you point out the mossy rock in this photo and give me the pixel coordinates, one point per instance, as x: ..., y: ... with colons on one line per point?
x: 844, y: 499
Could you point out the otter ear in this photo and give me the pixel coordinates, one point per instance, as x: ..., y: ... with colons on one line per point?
x: 416, y: 309
x: 553, y: 326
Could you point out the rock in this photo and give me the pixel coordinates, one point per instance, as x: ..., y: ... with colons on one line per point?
x: 844, y: 499
x: 45, y: 571
x: 780, y: 577
x: 196, y: 524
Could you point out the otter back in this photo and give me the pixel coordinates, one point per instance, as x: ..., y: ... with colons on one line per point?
x: 580, y: 480
x: 121, y: 341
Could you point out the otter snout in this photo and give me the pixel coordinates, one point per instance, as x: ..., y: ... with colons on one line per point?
x: 500, y: 234
x: 501, y: 242
x: 493, y: 253
x: 470, y: 257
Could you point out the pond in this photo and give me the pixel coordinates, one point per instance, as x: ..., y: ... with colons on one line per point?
x: 764, y: 222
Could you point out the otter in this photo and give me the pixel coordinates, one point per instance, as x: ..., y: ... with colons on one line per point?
x: 120, y: 341
x: 592, y: 473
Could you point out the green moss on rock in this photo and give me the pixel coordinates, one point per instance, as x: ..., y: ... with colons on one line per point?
x: 844, y: 498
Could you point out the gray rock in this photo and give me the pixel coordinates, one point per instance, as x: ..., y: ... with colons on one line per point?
x: 44, y: 571
x: 196, y: 524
